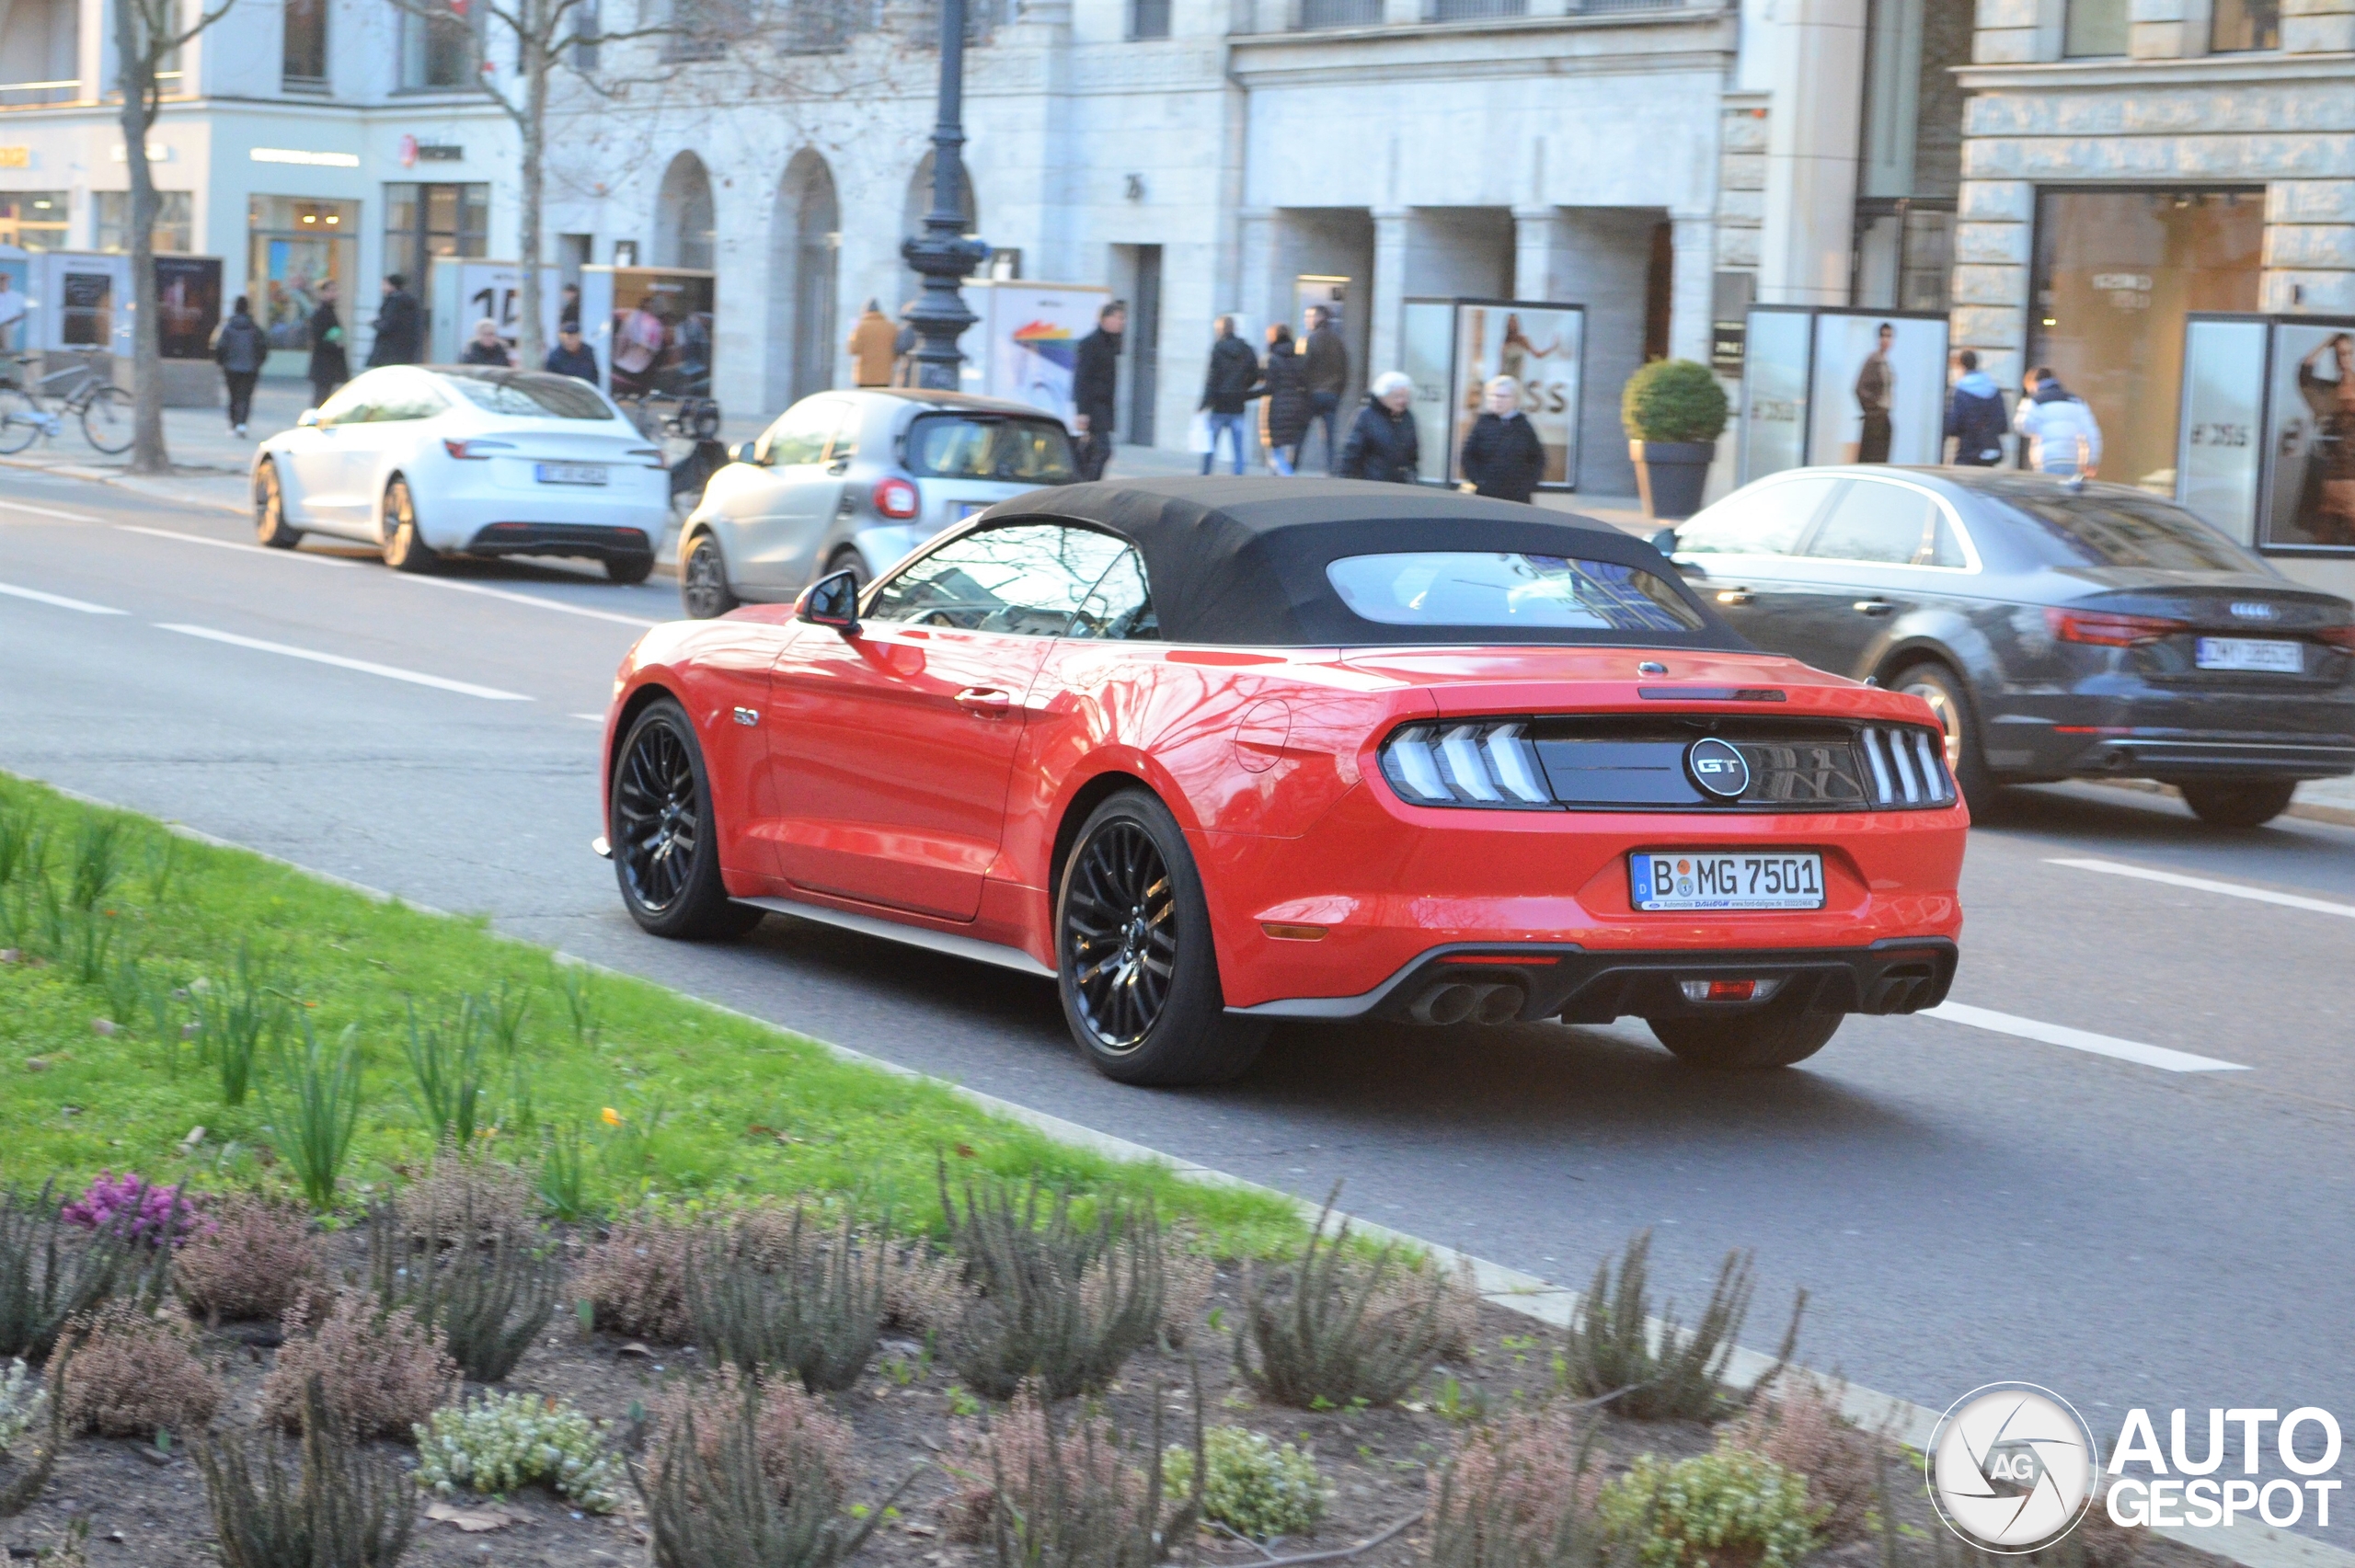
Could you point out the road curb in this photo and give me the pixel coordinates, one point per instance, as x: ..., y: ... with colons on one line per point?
x: 2313, y: 811
x: 123, y: 481
x: 1541, y: 1300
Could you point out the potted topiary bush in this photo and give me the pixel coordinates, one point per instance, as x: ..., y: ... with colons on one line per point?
x: 1674, y: 410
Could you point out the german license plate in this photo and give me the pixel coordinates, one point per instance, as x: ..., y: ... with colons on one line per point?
x: 966, y: 509
x: 1693, y: 879
x: 2251, y: 653
x: 571, y: 472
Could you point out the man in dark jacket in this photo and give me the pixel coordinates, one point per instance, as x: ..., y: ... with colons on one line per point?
x: 571, y: 356
x: 1095, y: 389
x: 330, y: 367
x: 398, y: 329
x: 1234, y: 376
x: 1383, y: 443
x: 1502, y: 456
x: 1975, y: 415
x: 1327, y: 363
x: 239, y: 349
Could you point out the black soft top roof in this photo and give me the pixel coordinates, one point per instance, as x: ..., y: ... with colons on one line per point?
x: 1242, y: 561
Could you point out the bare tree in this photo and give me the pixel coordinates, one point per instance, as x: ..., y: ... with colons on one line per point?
x: 147, y: 35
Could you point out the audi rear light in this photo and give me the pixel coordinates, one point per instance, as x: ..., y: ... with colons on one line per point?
x: 895, y: 497
x: 474, y: 452
x: 2104, y: 629
x: 1480, y: 764
x: 2341, y: 637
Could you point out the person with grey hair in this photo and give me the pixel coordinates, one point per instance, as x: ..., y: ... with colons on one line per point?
x: 1383, y: 443
x: 485, y: 348
x: 1502, y: 456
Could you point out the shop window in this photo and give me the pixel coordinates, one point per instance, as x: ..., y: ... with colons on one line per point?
x: 175, y: 220
x: 439, y: 48
x: 2240, y: 26
x: 293, y: 245
x: 2116, y: 273
x: 423, y: 221
x: 34, y: 220
x: 2096, y: 28
x: 1904, y: 255
x: 303, y: 57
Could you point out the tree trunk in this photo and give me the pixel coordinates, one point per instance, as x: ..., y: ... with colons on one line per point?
x: 537, y: 47
x: 148, y: 454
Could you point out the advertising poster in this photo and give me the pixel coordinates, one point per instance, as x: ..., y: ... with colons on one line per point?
x: 291, y: 271
x: 1880, y: 389
x: 1774, y: 393
x: 662, y: 332
x: 2312, y: 496
x: 188, y: 301
x: 1030, y: 334
x: 1426, y: 347
x: 467, y: 292
x: 86, y: 303
x: 2223, y: 388
x: 1540, y: 346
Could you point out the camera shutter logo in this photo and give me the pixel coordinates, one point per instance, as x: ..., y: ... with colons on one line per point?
x: 1720, y: 770
x: 2012, y: 1468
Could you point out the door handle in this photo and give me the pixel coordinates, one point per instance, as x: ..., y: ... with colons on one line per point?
x: 1874, y: 607
x: 1736, y: 596
x: 985, y: 702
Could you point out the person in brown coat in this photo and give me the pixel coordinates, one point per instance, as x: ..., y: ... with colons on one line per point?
x: 873, y: 343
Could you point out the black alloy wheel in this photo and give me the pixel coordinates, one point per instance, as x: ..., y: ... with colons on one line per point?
x: 1949, y: 699
x: 1135, y: 965
x: 666, y: 855
x: 704, y: 593
x: 2239, y: 803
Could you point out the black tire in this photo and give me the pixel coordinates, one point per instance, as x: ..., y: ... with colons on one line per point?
x: 848, y: 559
x: 1133, y: 960
x: 704, y: 593
x: 404, y: 548
x: 1748, y: 1041
x: 106, y: 421
x: 270, y: 510
x: 629, y: 569
x: 658, y: 819
x: 2245, y: 803
x: 1949, y: 698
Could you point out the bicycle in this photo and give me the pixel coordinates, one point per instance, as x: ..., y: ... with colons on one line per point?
x: 103, y: 407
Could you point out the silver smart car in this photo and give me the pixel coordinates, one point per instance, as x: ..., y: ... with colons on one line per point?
x: 855, y: 480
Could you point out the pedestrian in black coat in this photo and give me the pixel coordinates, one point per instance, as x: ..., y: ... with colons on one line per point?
x: 1328, y: 362
x: 1284, y: 407
x: 239, y: 347
x: 330, y: 367
x: 1383, y: 443
x: 1502, y: 457
x: 1095, y: 389
x: 1232, y: 380
x: 399, y: 329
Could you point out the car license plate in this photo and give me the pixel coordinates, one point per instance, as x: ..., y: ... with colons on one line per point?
x: 1693, y: 879
x: 966, y: 509
x: 571, y: 472
x: 2251, y: 653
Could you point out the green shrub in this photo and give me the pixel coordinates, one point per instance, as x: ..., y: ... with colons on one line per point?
x: 1676, y: 1373
x: 1253, y: 1485
x: 1726, y: 1505
x: 1338, y: 1332
x: 497, y: 1443
x: 1673, y: 400
x: 345, y: 1506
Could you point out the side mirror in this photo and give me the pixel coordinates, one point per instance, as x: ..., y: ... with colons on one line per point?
x: 832, y: 600
x: 1662, y: 540
x: 307, y: 419
x: 746, y: 452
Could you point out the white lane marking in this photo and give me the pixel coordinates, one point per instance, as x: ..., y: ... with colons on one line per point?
x: 2204, y: 885
x: 532, y: 599
x: 593, y: 719
x: 46, y: 512
x: 85, y: 606
x: 414, y: 678
x: 233, y: 545
x: 2081, y: 1039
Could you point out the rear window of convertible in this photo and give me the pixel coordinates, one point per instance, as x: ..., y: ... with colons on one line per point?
x: 1465, y: 587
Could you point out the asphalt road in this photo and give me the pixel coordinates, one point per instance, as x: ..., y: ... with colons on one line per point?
x: 1963, y: 1203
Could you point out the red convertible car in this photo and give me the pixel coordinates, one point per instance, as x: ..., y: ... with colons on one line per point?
x: 1211, y: 753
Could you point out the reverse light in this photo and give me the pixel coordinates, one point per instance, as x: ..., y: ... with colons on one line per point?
x: 1484, y: 764
x: 474, y: 452
x: 895, y: 497
x: 1729, y: 990
x: 2104, y: 629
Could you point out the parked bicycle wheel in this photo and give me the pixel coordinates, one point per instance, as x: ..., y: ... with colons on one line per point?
x: 105, y: 419
x: 18, y: 425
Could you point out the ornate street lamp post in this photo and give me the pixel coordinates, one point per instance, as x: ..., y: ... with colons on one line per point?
x: 942, y: 253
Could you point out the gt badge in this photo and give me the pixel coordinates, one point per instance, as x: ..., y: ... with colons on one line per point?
x: 1716, y: 768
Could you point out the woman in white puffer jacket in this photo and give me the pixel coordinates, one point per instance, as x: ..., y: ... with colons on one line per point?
x: 2064, y: 438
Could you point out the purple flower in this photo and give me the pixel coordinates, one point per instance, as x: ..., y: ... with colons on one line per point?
x: 143, y: 1211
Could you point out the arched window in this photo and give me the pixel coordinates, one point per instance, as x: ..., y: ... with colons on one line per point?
x: 802, y: 251
x: 685, y: 226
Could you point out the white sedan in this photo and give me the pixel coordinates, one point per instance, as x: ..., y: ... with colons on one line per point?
x: 464, y: 460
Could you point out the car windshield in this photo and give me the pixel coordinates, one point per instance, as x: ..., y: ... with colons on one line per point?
x: 1462, y: 588
x: 529, y: 394
x: 989, y: 446
x: 2107, y: 529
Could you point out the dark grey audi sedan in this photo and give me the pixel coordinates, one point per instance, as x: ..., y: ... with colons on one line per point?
x: 2058, y: 630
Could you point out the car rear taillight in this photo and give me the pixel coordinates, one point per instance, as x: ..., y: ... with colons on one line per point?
x: 2342, y: 638
x: 1907, y: 766
x: 649, y: 455
x: 895, y: 497
x: 1490, y: 764
x: 2105, y: 629
x: 474, y: 452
